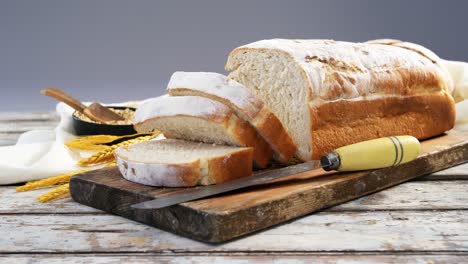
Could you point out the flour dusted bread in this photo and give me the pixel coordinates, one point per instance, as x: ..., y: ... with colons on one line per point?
x: 329, y: 93
x: 179, y: 163
x: 239, y: 99
x: 202, y: 120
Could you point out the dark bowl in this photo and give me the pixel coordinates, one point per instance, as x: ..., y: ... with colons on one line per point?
x: 84, y: 128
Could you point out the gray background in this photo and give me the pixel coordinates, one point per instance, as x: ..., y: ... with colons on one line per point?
x: 123, y: 50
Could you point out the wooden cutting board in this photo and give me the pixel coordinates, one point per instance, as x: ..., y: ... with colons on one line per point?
x: 241, y: 212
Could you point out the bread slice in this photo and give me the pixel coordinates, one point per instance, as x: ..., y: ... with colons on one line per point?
x: 200, y: 119
x: 332, y: 93
x: 239, y: 99
x: 179, y: 163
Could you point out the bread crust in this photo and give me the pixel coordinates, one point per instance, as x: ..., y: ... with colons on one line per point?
x: 273, y: 130
x: 236, y: 164
x: 346, y: 78
x: 217, y: 87
x: 253, y: 110
x: 157, y: 174
x: 336, y: 124
x: 343, y: 70
x: 248, y: 137
x: 241, y: 130
x: 187, y: 105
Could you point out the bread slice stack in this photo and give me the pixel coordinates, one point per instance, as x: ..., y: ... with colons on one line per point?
x: 242, y: 102
x: 200, y: 119
x: 214, y: 113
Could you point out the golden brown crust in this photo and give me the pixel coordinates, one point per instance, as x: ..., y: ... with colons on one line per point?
x: 442, y: 72
x: 273, y: 130
x: 249, y: 137
x: 266, y: 123
x: 344, y: 78
x: 340, y: 123
x: 251, y: 111
x: 237, y: 165
x: 408, y: 45
x: 241, y: 130
x: 343, y: 70
x: 155, y: 174
x: 234, y: 165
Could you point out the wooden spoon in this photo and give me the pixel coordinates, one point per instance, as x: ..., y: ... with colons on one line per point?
x: 95, y: 111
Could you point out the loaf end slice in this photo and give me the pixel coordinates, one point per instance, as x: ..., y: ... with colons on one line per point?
x: 179, y: 163
x: 274, y: 76
x: 239, y: 99
x: 203, y: 120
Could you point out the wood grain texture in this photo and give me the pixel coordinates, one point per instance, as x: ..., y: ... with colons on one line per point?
x: 26, y: 203
x: 236, y: 259
x: 416, y: 195
x: 8, y: 139
x: 28, y: 116
x: 455, y: 173
x: 238, y: 213
x: 424, y: 231
x: 11, y: 127
x: 13, y: 124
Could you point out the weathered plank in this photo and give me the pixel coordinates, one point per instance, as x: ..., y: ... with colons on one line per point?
x: 423, y: 231
x: 8, y: 139
x: 418, y: 195
x: 28, y: 116
x: 25, y: 203
x: 13, y: 127
x: 235, y: 258
x: 459, y: 172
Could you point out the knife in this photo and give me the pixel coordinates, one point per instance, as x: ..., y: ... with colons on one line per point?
x: 366, y: 155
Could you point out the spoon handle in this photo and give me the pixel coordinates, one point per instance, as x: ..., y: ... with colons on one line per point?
x: 64, y: 97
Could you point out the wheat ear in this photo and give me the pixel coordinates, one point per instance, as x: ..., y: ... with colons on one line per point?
x: 57, y: 193
x: 108, y: 154
x: 59, y: 179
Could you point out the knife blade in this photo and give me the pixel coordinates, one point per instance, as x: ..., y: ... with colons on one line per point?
x: 371, y: 154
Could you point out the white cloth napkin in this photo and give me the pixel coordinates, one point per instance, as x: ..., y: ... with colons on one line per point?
x: 459, y: 72
x: 40, y: 154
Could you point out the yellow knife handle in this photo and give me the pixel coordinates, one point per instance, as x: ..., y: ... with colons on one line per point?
x: 374, y: 154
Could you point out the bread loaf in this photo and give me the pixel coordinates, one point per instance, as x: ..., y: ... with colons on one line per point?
x: 239, y: 99
x: 329, y: 93
x: 202, y: 120
x: 178, y: 163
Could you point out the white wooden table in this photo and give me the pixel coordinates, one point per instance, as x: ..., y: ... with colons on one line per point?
x: 424, y: 221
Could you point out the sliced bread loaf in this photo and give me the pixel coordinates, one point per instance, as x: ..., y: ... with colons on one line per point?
x: 179, y: 163
x: 200, y: 119
x: 332, y: 93
x: 239, y: 99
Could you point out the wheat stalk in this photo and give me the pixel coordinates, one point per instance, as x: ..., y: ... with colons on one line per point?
x: 59, y: 179
x: 99, y: 157
x: 99, y: 142
x: 60, y: 192
x: 107, y: 155
x: 57, y: 193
